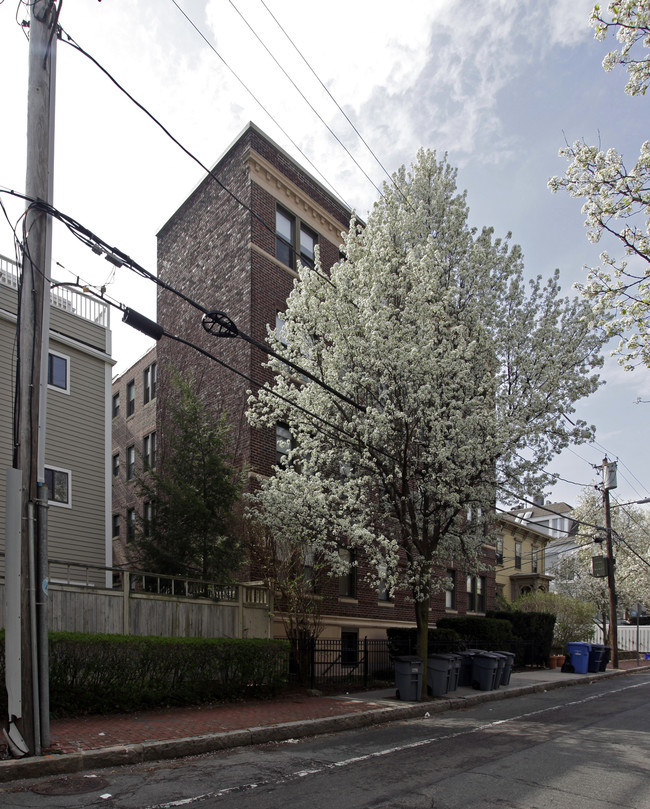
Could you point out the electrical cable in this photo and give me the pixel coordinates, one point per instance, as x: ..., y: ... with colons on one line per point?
x: 254, y: 97
x: 306, y: 100
x: 340, y: 108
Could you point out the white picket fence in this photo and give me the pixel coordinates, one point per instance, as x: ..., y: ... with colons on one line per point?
x: 627, y: 638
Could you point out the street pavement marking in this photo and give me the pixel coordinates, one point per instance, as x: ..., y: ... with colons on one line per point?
x: 220, y: 793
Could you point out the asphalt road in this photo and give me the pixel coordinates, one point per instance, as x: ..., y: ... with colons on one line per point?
x: 585, y: 747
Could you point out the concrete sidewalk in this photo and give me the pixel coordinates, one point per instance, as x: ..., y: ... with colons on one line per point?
x: 112, y: 740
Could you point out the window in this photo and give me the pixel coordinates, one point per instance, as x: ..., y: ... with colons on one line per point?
x: 116, y: 526
x: 283, y: 444
x: 116, y: 404
x: 349, y: 648
x: 535, y: 560
x: 450, y: 592
x: 149, y: 450
x: 518, y: 555
x: 383, y: 593
x: 58, y: 484
x: 293, y: 240
x: 130, y: 398
x: 499, y: 551
x: 348, y: 580
x: 149, y: 379
x: 116, y: 464
x: 130, y: 524
x: 476, y: 594
x: 148, y: 518
x: 130, y: 462
x: 58, y: 371
x: 280, y: 329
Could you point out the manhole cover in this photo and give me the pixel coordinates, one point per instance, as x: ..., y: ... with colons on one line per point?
x: 71, y: 786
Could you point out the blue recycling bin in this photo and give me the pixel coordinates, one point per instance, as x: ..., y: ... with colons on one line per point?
x: 579, y: 654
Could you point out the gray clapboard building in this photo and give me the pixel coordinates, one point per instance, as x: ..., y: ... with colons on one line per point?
x: 78, y: 425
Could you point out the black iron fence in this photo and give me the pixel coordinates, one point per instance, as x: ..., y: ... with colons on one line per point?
x: 340, y: 662
x: 317, y: 662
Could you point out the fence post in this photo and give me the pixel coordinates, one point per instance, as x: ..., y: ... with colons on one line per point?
x: 365, y: 661
x: 312, y: 663
x: 126, y: 589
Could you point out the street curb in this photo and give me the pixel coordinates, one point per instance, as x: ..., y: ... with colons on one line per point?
x: 67, y: 763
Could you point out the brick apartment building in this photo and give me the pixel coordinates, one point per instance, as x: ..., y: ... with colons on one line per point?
x: 239, y: 256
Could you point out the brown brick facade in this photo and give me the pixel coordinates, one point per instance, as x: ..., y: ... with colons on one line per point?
x: 222, y: 256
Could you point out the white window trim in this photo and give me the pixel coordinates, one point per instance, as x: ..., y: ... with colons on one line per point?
x: 65, y: 390
x: 57, y: 502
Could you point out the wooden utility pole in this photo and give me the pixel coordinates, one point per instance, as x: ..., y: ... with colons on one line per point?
x: 34, y: 296
x: 609, y: 482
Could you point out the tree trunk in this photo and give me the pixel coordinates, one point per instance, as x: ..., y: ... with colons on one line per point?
x: 422, y: 622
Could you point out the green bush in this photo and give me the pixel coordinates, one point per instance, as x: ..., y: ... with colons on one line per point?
x: 535, y: 632
x: 108, y: 673
x: 403, y: 641
x: 484, y: 633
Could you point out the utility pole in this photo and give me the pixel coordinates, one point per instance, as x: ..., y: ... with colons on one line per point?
x: 609, y: 482
x: 32, y: 305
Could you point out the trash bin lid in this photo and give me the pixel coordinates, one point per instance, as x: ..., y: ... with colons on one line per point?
x: 408, y: 659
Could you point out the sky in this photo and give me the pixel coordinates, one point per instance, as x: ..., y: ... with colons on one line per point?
x: 498, y: 85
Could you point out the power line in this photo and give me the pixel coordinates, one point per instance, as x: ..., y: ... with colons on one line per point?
x: 255, y: 99
x: 304, y: 97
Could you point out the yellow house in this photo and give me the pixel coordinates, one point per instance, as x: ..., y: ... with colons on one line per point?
x: 520, y: 558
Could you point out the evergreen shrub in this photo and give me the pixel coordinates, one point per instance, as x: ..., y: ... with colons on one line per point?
x: 109, y: 673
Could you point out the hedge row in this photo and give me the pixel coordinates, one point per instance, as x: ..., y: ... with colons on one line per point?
x: 107, y: 673
x: 528, y: 634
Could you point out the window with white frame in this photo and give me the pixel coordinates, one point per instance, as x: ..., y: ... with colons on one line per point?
x: 130, y: 524
x: 149, y: 380
x: 476, y: 594
x: 130, y: 462
x: 58, y: 371
x: 149, y: 450
x: 499, y: 551
x: 283, y: 444
x: 450, y: 591
x: 535, y: 560
x: 58, y: 485
x: 348, y: 580
x: 130, y: 398
x: 518, y: 552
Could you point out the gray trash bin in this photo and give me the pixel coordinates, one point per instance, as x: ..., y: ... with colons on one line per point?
x: 507, y: 670
x: 438, y: 674
x: 408, y: 677
x: 501, y: 665
x: 484, y: 671
x: 466, y: 666
x: 454, y: 674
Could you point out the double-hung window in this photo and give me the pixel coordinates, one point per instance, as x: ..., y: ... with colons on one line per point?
x: 130, y: 398
x: 518, y: 551
x: 499, y: 551
x: 149, y: 450
x: 283, y: 444
x: 347, y: 580
x: 293, y: 240
x: 450, y: 592
x: 150, y: 378
x: 130, y: 462
x: 476, y: 594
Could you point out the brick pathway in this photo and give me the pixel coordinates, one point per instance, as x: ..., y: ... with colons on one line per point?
x: 89, y: 733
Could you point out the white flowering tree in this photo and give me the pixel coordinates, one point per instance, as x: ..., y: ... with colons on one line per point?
x: 457, y: 376
x: 631, y: 537
x: 617, y: 197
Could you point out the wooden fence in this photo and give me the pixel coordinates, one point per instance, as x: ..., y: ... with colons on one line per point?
x: 86, y: 598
